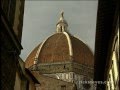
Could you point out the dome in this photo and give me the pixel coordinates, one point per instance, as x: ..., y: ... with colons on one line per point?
x: 61, y: 47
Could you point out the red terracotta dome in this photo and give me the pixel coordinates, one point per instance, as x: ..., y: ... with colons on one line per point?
x: 61, y: 47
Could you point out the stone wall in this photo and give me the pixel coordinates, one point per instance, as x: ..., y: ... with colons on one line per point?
x: 10, y: 45
x: 79, y: 80
x: 8, y: 62
x: 69, y: 72
x: 49, y: 83
x: 63, y: 67
x: 14, y: 11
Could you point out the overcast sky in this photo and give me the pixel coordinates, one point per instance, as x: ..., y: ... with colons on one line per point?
x: 40, y: 18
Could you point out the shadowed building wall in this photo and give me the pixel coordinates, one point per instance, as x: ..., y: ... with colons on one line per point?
x: 107, y: 30
x: 11, y: 31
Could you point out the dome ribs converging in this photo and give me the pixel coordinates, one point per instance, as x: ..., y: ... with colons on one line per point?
x: 30, y: 59
x: 61, y: 47
x: 55, y: 49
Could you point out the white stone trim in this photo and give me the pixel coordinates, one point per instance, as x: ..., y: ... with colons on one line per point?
x: 69, y: 44
x: 39, y: 49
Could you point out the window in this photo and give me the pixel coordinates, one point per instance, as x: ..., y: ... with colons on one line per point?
x: 63, y: 87
x: 75, y: 77
x: 60, y: 28
x: 71, y: 75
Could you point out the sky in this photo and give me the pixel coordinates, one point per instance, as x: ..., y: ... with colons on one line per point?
x: 40, y: 18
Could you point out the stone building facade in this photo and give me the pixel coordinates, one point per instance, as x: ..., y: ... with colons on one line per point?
x: 50, y: 83
x: 107, y: 45
x: 113, y: 69
x: 24, y: 79
x: 10, y: 40
x: 64, y: 57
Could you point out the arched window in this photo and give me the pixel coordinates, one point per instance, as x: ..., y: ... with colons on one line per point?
x: 60, y: 28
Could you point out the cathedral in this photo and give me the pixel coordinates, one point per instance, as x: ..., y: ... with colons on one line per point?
x: 63, y: 57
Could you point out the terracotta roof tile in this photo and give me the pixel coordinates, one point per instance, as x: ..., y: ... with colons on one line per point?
x: 56, y: 49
